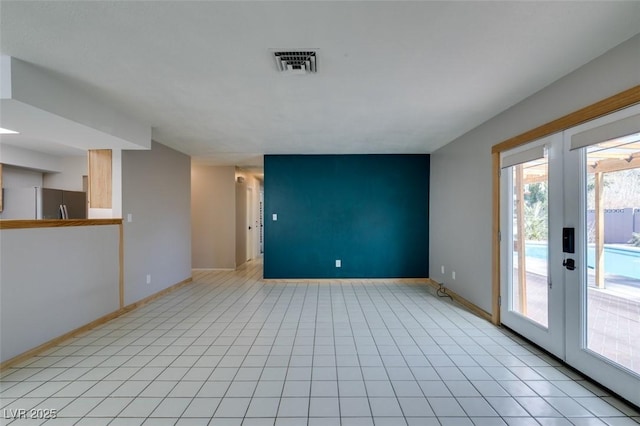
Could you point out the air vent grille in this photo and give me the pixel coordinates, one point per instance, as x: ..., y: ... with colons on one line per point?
x: 296, y: 62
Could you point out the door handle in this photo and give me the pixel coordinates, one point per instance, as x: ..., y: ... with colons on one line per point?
x: 568, y: 240
x: 570, y: 264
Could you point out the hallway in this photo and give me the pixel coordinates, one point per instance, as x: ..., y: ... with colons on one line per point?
x: 231, y: 349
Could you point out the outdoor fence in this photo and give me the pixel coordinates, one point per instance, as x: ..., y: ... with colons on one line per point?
x: 619, y: 224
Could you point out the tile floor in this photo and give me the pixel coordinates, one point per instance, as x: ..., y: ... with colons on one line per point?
x: 230, y: 350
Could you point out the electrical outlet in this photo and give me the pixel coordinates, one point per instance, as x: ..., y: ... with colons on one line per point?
x: 129, y: 217
x: 148, y: 278
x: 442, y: 269
x: 338, y: 263
x: 453, y: 275
x: 274, y: 217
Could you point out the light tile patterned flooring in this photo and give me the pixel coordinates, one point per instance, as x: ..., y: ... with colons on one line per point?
x: 231, y: 349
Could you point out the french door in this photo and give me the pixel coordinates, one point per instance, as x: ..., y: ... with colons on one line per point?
x: 570, y: 247
x: 532, y: 296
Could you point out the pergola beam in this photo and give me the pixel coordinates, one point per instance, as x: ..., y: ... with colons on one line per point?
x: 616, y: 164
x: 534, y: 179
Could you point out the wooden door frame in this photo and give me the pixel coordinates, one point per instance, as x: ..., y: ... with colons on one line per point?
x: 606, y: 106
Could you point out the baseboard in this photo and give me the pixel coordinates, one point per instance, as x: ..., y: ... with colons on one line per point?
x: 93, y: 324
x: 57, y: 340
x: 155, y: 296
x: 211, y: 269
x: 454, y: 296
x: 462, y: 301
x: 346, y: 280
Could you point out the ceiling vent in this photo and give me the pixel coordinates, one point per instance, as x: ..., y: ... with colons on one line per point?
x: 296, y: 62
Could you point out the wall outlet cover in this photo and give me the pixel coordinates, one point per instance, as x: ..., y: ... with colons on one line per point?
x: 338, y: 263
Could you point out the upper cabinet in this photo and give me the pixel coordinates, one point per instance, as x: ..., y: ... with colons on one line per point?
x: 100, y: 179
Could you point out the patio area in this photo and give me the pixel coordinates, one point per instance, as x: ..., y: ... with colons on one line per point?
x: 613, y: 315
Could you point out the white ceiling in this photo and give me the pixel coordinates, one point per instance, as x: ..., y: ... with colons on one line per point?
x: 393, y: 77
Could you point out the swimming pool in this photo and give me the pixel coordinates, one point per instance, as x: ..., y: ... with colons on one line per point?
x: 623, y: 261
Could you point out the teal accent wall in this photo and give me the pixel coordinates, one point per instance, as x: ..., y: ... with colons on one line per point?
x: 369, y: 211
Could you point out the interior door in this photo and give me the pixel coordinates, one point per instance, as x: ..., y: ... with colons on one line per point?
x: 602, y: 183
x: 532, y: 297
x: 250, y: 224
x: 241, y: 222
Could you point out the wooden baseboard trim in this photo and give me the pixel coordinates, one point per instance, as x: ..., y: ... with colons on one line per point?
x: 454, y: 296
x: 93, y: 324
x: 462, y: 301
x: 102, y: 320
x: 57, y: 340
x: 345, y: 280
x: 212, y: 269
x: 157, y: 295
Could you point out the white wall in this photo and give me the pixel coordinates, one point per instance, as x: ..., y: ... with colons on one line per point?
x: 55, y: 280
x: 14, y: 156
x: 70, y: 176
x: 213, y: 232
x: 461, y: 181
x: 36, y: 87
x: 156, y: 190
x: 19, y: 194
x: 18, y: 177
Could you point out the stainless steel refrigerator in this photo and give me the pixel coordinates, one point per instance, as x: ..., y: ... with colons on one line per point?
x: 43, y: 203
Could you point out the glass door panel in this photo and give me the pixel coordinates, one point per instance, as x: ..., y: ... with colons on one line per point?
x: 602, y: 179
x: 530, y: 271
x: 530, y: 228
x: 579, y: 298
x: 613, y: 250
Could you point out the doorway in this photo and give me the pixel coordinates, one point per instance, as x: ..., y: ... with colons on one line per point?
x: 570, y: 247
x: 241, y: 221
